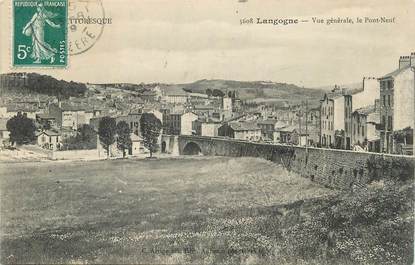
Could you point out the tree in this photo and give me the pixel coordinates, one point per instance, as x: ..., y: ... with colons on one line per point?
x: 123, y: 139
x: 85, y: 139
x: 209, y: 92
x: 107, y: 130
x: 21, y: 128
x: 218, y: 93
x: 150, y: 130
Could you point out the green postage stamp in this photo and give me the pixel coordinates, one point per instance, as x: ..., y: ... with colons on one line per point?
x: 40, y: 33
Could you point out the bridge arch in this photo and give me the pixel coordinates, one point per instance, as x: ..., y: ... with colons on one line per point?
x: 192, y: 148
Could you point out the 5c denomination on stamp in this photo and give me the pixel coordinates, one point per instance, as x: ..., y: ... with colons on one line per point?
x: 40, y: 33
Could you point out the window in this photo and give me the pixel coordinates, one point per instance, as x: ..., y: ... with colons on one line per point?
x: 390, y: 123
x: 384, y: 100
x: 363, y: 131
x: 389, y: 100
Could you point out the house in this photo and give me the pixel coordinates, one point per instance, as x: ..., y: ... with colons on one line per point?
x: 335, y: 119
x: 157, y: 113
x: 290, y: 135
x: 187, y: 126
x: 397, y: 101
x: 133, y: 121
x: 4, y: 133
x: 177, y: 96
x: 68, y: 115
x: 205, y: 110
x: 49, y: 139
x: 136, y: 145
x: 227, y: 104
x: 364, y: 121
x: 210, y: 129
x: 268, y: 128
x: 241, y: 130
x: 171, y: 122
x: 29, y: 110
x: 46, y: 120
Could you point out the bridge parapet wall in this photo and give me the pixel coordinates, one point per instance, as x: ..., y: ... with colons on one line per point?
x: 330, y: 167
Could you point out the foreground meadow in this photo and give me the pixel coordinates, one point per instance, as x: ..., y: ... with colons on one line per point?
x: 175, y: 211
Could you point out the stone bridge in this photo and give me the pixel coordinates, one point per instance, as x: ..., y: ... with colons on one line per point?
x: 333, y: 168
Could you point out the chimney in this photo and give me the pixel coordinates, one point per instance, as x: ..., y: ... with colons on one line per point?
x: 404, y: 61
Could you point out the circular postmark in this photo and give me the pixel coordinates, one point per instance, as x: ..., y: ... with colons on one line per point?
x: 86, y: 20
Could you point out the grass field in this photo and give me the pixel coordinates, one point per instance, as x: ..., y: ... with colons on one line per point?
x: 193, y: 210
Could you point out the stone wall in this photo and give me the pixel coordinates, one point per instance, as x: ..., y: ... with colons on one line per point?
x: 330, y: 167
x: 77, y: 155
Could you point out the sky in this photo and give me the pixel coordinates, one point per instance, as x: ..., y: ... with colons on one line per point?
x: 180, y: 41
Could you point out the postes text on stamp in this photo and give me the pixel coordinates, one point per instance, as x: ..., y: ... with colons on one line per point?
x: 40, y: 33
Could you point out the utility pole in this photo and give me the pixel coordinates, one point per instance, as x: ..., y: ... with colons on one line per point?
x: 299, y: 123
x: 413, y: 70
x: 306, y: 123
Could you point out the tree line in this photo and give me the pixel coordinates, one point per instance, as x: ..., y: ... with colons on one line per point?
x: 44, y: 84
x: 111, y: 132
x: 22, y: 131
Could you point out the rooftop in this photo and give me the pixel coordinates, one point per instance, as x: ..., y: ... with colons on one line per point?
x: 366, y: 110
x: 395, y: 73
x: 244, y: 126
x: 49, y: 133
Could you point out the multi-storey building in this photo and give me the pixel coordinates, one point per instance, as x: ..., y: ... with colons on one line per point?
x: 364, y: 121
x: 133, y: 121
x: 241, y: 130
x: 335, y: 120
x: 171, y: 122
x: 397, y: 101
x: 67, y: 115
x: 268, y: 128
x: 187, y: 123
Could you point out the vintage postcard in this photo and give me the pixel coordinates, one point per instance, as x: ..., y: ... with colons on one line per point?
x: 207, y: 132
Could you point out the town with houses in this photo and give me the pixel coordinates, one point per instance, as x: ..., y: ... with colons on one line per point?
x: 377, y: 116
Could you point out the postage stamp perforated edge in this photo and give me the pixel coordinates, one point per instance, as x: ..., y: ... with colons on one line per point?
x: 12, y: 64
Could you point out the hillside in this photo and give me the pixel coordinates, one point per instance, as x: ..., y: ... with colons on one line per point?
x: 258, y: 90
x: 33, y: 83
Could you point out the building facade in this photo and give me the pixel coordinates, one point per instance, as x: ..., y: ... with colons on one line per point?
x: 187, y: 126
x: 397, y: 101
x: 335, y: 120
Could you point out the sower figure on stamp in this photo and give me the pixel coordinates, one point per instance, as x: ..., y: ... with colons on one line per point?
x: 41, y: 50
